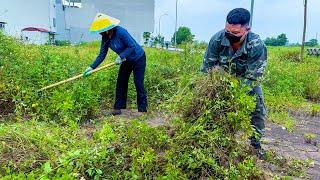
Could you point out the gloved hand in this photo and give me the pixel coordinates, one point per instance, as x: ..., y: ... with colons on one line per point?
x: 87, y: 72
x: 119, y: 60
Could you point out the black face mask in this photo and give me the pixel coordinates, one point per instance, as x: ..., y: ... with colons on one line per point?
x: 232, y: 38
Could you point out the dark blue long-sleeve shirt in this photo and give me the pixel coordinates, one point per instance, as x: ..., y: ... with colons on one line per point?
x: 122, y: 43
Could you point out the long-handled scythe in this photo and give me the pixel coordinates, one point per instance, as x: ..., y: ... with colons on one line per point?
x: 76, y: 77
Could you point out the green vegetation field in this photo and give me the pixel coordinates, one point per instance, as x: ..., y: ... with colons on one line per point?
x: 42, y: 134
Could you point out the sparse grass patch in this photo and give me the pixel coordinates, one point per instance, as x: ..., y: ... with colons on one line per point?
x: 315, y: 109
x: 288, y: 168
x: 282, y: 118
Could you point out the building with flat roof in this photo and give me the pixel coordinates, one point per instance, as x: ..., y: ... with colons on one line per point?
x: 40, y: 21
x: 20, y: 15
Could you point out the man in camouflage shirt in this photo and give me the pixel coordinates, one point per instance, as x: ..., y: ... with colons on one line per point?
x: 242, y: 53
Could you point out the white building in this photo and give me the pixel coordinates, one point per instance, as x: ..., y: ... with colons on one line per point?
x: 70, y: 19
x: 137, y: 16
x: 20, y: 14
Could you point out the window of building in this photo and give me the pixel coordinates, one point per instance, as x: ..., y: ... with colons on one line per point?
x: 72, y: 3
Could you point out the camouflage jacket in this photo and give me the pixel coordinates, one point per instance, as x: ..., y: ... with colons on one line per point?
x: 248, y: 63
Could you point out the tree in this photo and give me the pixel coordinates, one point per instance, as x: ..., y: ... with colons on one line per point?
x: 271, y: 41
x: 281, y: 40
x: 183, y: 35
x: 157, y: 40
x: 146, y: 37
x: 200, y: 44
x: 312, y: 43
x: 160, y: 40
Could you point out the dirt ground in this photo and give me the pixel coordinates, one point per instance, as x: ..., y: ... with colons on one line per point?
x: 293, y: 144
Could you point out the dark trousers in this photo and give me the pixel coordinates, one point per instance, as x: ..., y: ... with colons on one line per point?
x: 258, y: 116
x: 138, y: 68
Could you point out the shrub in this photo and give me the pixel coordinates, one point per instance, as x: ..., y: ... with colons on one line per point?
x: 62, y: 43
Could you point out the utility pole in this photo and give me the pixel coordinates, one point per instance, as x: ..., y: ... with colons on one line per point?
x: 251, y: 12
x: 176, y: 26
x: 304, y: 29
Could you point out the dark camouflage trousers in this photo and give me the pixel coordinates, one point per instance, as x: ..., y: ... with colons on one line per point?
x: 258, y: 116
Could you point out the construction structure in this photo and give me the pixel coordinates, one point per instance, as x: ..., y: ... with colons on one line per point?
x: 44, y: 21
x: 314, y: 51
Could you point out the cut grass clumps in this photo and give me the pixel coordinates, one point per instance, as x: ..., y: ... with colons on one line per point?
x: 204, y: 144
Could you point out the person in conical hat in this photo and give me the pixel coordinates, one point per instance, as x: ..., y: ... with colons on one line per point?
x: 131, y: 58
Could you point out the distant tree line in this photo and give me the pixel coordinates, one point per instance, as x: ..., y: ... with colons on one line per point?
x: 183, y: 34
x: 312, y: 43
x: 282, y: 40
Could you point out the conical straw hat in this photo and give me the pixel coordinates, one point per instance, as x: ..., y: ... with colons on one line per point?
x: 103, y: 23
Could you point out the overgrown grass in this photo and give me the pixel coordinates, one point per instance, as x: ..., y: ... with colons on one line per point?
x: 289, y: 83
x: 43, y: 139
x: 27, y: 68
x: 202, y: 145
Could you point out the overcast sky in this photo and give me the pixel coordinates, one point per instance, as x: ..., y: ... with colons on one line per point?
x: 270, y: 17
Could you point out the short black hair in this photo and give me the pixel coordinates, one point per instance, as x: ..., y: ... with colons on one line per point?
x: 239, y: 16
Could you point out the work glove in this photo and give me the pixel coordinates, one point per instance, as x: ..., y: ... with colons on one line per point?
x: 87, y: 72
x: 119, y: 60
